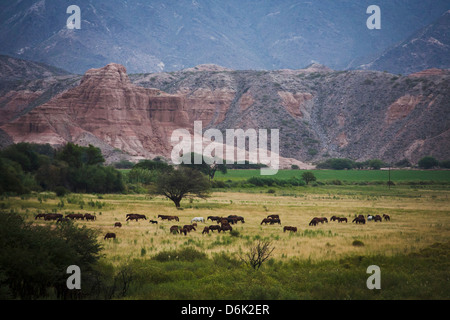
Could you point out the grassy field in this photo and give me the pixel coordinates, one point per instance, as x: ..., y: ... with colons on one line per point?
x: 420, y: 218
x: 346, y: 175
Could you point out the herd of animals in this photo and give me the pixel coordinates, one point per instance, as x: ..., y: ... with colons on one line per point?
x: 222, y: 223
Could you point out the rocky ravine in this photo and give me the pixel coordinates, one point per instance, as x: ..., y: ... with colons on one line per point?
x: 320, y: 113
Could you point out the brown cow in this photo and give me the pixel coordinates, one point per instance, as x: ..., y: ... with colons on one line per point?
x: 118, y: 224
x: 52, y: 216
x: 135, y: 216
x: 189, y: 227
x: 174, y: 229
x: 88, y: 216
x: 225, y: 227
x: 292, y: 229
x: 360, y: 219
x: 214, y: 227
x: 110, y: 235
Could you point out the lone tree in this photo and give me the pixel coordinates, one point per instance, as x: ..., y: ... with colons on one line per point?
x: 208, y: 169
x: 259, y: 253
x: 184, y: 182
x: 308, y: 177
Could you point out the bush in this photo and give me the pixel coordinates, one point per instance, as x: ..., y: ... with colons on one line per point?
x: 185, y: 254
x: 308, y: 177
x: 357, y: 243
x: 61, y: 191
x: 428, y: 162
x: 34, y: 259
x: 336, y: 164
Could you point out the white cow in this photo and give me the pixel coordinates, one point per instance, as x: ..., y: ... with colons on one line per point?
x: 198, y: 219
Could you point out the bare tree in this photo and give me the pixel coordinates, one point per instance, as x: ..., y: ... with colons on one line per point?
x: 258, y: 254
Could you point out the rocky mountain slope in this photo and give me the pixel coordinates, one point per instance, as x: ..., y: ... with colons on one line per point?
x: 429, y: 46
x: 321, y: 113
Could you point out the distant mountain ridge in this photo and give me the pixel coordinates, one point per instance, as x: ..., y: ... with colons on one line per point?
x: 154, y: 36
x: 429, y: 47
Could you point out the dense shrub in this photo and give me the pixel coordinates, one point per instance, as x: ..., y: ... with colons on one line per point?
x: 336, y: 164
x: 34, y: 259
x: 185, y: 254
x: 428, y: 162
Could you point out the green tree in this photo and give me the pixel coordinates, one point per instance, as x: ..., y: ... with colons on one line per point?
x: 308, y: 177
x: 336, y: 164
x: 208, y: 169
x: 375, y: 164
x: 34, y: 259
x: 181, y: 183
x: 428, y: 162
x: 76, y: 155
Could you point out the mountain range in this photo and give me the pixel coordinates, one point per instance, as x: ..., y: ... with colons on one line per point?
x: 160, y: 35
x: 137, y: 70
x: 321, y: 113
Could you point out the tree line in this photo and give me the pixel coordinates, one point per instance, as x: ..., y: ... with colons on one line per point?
x: 427, y: 162
x: 27, y: 167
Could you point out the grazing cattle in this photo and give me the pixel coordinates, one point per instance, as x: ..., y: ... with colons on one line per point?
x: 334, y: 218
x: 266, y: 221
x: 135, y: 216
x: 386, y: 217
x: 273, y: 216
x: 214, y: 227
x: 88, y: 216
x: 164, y: 217
x: 52, y: 216
x: 75, y: 216
x: 184, y: 230
x: 62, y: 219
x: 110, y: 235
x: 292, y: 229
x: 189, y: 227
x: 225, y: 227
x: 342, y: 220
x: 39, y: 216
x: 377, y: 218
x: 316, y: 221
x: 198, y: 219
x: 118, y: 225
x: 153, y: 222
x: 360, y: 219
x: 236, y: 218
x: 174, y: 229
x: 205, y: 230
x: 241, y: 219
x: 214, y: 218
x: 369, y: 217
x: 275, y: 220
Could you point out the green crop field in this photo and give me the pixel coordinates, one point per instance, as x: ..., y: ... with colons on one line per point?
x: 345, y: 175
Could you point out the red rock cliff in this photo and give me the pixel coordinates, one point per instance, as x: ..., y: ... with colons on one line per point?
x: 108, y: 106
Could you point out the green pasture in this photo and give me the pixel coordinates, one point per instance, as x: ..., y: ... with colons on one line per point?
x: 344, y: 175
